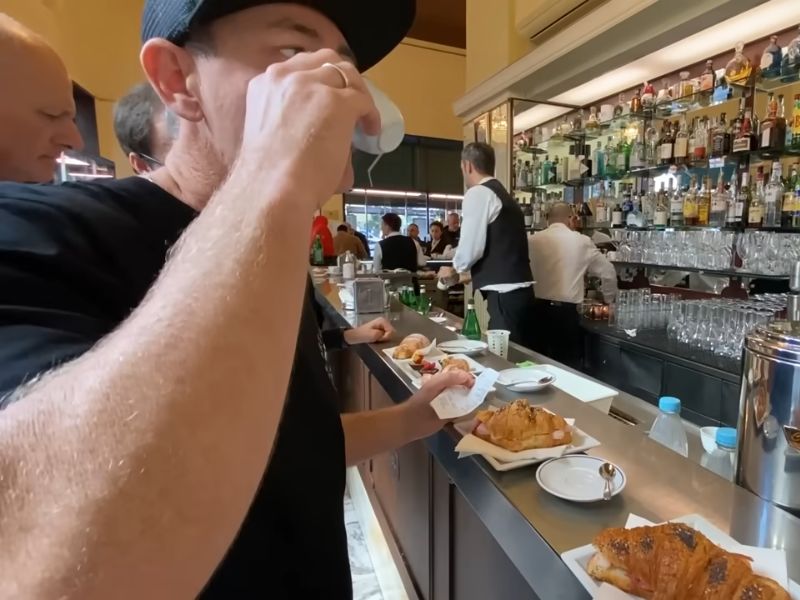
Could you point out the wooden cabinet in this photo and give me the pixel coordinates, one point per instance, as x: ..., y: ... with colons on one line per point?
x: 402, y: 485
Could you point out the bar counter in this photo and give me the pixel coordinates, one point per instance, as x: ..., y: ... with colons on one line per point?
x: 533, y: 528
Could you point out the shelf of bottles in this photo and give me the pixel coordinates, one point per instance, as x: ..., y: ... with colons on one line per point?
x: 721, y: 149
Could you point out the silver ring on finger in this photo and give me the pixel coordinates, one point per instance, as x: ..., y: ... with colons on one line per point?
x: 340, y: 70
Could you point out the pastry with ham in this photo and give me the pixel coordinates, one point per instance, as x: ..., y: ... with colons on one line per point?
x: 519, y: 426
x: 410, y: 345
x: 676, y: 562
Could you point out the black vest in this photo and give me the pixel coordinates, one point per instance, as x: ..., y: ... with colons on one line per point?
x: 399, y: 252
x: 505, y: 257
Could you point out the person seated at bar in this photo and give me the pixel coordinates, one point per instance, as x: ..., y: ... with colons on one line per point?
x: 361, y: 237
x: 438, y: 246
x: 395, y: 250
x: 37, y: 109
x: 344, y: 242
x: 144, y: 129
x: 561, y: 258
x: 453, y: 232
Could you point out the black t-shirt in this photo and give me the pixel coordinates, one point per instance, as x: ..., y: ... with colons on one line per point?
x: 75, y: 260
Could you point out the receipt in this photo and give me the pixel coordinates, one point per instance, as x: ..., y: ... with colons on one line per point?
x: 458, y: 402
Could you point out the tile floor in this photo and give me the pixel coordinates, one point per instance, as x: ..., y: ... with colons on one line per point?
x: 365, y: 582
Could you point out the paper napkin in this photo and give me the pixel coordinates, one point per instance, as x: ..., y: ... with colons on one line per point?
x: 459, y: 402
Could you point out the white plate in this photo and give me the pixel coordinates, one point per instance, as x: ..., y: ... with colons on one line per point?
x: 528, y: 378
x: 416, y: 377
x: 466, y: 347
x: 577, y: 560
x: 577, y: 478
x: 581, y: 441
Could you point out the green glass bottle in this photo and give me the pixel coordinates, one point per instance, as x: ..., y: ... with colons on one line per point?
x: 317, y: 255
x: 471, y: 329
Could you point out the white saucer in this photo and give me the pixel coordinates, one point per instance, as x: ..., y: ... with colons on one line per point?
x: 577, y: 478
x: 528, y: 379
x: 467, y: 347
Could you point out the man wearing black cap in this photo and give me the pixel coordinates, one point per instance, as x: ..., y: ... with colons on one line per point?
x: 157, y: 457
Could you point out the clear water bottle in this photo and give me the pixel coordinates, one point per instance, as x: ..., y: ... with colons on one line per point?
x: 668, y: 427
x: 723, y: 459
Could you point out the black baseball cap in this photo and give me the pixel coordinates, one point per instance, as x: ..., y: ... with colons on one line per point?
x: 372, y: 28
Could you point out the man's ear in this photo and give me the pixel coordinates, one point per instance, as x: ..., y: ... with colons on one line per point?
x: 171, y: 71
x: 138, y: 165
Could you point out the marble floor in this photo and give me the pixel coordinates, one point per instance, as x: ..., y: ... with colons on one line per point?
x: 365, y: 582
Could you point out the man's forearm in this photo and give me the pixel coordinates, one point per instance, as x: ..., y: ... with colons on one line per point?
x: 148, y: 450
x: 373, y: 432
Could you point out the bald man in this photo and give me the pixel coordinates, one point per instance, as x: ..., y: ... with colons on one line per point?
x: 561, y: 258
x: 37, y: 111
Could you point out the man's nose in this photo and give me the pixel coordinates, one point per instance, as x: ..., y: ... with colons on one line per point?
x: 70, y: 137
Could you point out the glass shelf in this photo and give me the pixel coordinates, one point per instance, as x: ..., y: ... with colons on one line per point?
x: 717, y: 272
x: 735, y: 229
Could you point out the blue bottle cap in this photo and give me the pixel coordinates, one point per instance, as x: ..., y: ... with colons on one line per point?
x: 669, y: 404
x: 726, y: 437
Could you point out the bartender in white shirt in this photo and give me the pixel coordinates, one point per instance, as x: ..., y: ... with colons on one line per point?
x: 494, y: 247
x: 561, y: 258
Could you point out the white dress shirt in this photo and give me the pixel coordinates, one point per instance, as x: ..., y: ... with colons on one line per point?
x: 561, y: 258
x: 480, y: 208
x: 377, y: 256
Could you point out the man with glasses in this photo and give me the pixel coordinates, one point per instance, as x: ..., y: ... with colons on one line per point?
x: 144, y: 129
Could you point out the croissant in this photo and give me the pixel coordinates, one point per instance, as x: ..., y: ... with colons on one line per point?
x: 675, y: 562
x: 412, y: 343
x: 519, y: 426
x: 451, y: 364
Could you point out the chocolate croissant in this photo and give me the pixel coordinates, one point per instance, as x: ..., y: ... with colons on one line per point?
x: 675, y: 562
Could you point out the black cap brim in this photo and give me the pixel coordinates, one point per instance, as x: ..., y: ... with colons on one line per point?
x: 372, y: 28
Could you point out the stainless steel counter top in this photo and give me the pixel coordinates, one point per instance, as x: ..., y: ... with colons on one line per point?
x: 533, y: 527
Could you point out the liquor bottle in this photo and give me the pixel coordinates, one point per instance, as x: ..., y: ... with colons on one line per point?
x: 661, y: 216
x: 790, y: 214
x: 771, y: 59
x: 585, y: 214
x: 579, y: 121
x: 690, y: 203
x: 739, y: 67
x: 685, y: 92
x: 675, y: 204
x: 795, y: 128
x: 627, y: 202
x: 681, y: 148
x: 733, y: 217
x: 600, y: 160
x: 611, y: 158
x: 601, y: 215
x: 536, y: 172
x: 736, y: 124
x: 649, y: 202
x: 593, y: 123
x: 704, y: 203
x: 664, y: 98
x: 708, y: 81
x: 720, y: 138
x: 755, y: 213
x: 619, y: 109
x: 666, y: 145
x: 623, y: 156
x: 557, y: 171
x: 722, y: 91
x: 791, y: 62
x: 719, y: 204
x: 648, y: 97
x: 636, y: 103
x: 546, y: 170
x: 773, y: 197
x: 616, y: 216
x: 700, y: 140
x: 745, y: 140
x: 636, y: 216
x: 638, y: 158
x: 471, y: 328
x: 773, y: 128
x: 744, y: 200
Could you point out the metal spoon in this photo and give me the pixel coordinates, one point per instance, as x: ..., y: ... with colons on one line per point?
x: 608, y: 472
x: 542, y: 381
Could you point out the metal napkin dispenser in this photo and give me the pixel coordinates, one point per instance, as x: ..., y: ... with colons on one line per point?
x: 369, y: 295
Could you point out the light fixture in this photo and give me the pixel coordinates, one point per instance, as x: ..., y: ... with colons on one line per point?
x: 91, y: 175
x: 73, y: 162
x: 397, y: 193
x: 446, y: 196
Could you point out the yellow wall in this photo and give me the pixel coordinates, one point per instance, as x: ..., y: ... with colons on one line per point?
x: 492, y: 39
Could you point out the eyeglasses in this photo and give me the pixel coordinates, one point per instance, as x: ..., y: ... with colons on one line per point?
x: 150, y: 160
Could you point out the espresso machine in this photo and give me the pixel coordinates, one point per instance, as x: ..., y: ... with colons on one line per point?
x: 768, y: 457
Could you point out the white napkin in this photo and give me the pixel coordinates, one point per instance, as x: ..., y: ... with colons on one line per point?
x: 458, y: 402
x: 609, y: 592
x: 346, y: 296
x: 471, y: 444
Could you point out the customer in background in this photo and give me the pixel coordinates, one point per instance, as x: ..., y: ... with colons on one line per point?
x: 438, y: 246
x: 344, y: 242
x: 319, y: 227
x: 361, y: 237
x: 395, y: 250
x: 37, y: 109
x: 561, y: 258
x: 453, y: 232
x: 494, y: 246
x: 144, y: 129
x: 413, y: 232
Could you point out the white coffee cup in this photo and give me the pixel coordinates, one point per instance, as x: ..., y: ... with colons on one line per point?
x: 393, y: 126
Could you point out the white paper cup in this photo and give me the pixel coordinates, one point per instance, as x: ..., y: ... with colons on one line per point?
x: 498, y: 342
